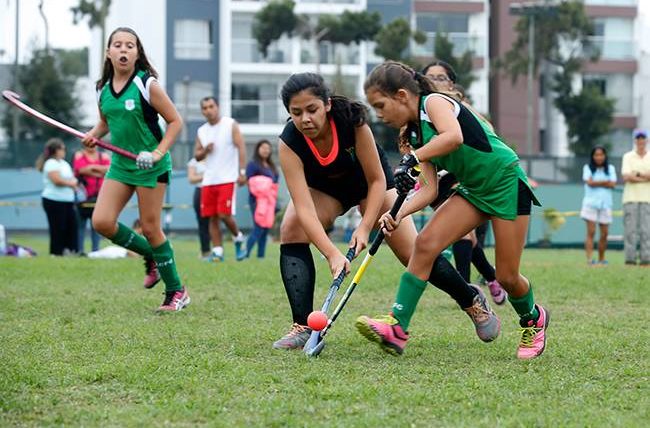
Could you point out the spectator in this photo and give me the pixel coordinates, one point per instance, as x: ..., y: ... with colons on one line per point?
x: 90, y: 166
x: 636, y: 201
x: 600, y: 178
x: 58, y: 196
x: 195, y: 171
x: 262, y: 176
x: 219, y: 141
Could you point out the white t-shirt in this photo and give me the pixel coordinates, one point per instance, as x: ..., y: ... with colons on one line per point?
x: 52, y: 191
x: 199, y: 166
x: 222, y: 164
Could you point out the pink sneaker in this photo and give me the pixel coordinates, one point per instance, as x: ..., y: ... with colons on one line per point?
x: 175, y: 301
x: 384, y: 330
x: 499, y: 295
x: 533, y: 336
x: 151, y: 274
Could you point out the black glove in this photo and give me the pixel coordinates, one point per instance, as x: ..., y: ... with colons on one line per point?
x: 406, y: 174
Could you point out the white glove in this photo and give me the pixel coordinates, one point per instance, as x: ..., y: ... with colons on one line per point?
x: 144, y: 160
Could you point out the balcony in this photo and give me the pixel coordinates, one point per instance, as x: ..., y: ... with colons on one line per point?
x: 462, y: 42
x: 614, y: 49
x: 245, y: 51
x: 632, y: 3
x: 328, y: 53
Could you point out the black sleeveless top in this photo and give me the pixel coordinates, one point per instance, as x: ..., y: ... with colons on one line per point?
x: 343, y: 177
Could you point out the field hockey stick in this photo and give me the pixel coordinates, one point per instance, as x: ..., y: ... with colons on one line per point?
x: 316, y: 350
x: 314, y: 338
x: 14, y: 99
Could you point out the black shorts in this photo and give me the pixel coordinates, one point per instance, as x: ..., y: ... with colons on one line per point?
x: 163, y: 178
x: 445, y: 191
x: 524, y: 199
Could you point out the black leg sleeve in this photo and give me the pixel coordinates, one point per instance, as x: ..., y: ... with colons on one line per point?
x: 445, y: 277
x: 298, y: 275
x: 482, y: 264
x: 463, y: 257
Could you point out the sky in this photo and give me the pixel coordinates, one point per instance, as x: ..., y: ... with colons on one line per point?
x: 62, y: 32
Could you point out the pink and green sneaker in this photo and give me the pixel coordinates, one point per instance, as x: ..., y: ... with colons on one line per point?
x: 384, y: 330
x: 533, y: 336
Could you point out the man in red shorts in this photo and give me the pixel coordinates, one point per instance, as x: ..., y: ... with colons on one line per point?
x: 219, y: 141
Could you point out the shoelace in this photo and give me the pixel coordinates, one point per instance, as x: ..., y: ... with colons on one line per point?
x: 296, y: 329
x: 386, y: 319
x: 478, y: 312
x: 527, y: 335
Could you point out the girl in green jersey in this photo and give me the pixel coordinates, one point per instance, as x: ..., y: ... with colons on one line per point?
x: 441, y: 133
x: 130, y: 100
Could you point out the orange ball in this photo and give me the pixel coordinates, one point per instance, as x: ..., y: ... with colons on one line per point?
x: 317, y: 320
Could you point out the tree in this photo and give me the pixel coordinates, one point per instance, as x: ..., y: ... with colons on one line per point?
x: 394, y: 38
x: 48, y: 89
x: 562, y: 45
x: 96, y: 12
x: 277, y: 18
x: 588, y: 114
x: 443, y: 50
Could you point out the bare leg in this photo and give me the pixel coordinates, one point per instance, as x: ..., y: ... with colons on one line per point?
x: 510, y: 238
x: 602, y: 242
x: 589, y: 240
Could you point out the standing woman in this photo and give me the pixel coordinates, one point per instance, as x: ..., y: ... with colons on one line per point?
x: 330, y: 160
x: 195, y: 171
x: 600, y: 178
x: 58, y: 196
x: 444, y: 134
x: 263, y: 192
x: 130, y: 100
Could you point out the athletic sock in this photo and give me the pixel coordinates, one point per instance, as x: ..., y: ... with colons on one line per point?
x: 127, y: 238
x: 408, y: 294
x: 217, y: 251
x: 482, y: 264
x: 446, y: 278
x: 163, y: 255
x: 298, y: 276
x: 525, y: 307
x: 463, y: 257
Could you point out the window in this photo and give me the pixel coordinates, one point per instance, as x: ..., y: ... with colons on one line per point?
x: 446, y: 23
x: 616, y: 86
x: 256, y: 103
x: 192, y: 39
x: 188, y: 96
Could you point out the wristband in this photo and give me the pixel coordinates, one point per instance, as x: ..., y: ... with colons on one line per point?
x: 242, y: 171
x: 159, y: 152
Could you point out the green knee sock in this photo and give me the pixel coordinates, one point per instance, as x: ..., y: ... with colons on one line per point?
x: 408, y: 294
x: 525, y: 307
x: 164, y: 258
x: 127, y: 238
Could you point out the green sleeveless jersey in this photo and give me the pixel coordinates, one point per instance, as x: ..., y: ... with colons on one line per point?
x: 487, y: 169
x: 133, y: 125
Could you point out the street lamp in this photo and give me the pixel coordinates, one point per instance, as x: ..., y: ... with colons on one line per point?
x: 531, y: 9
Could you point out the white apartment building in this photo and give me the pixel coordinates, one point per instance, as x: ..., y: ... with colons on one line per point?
x: 250, y: 84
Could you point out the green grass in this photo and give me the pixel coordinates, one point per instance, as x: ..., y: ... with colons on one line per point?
x: 81, y: 346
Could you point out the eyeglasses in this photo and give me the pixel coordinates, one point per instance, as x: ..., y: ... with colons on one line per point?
x: 438, y: 78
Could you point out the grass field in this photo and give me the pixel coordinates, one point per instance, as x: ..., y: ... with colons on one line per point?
x: 81, y: 346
